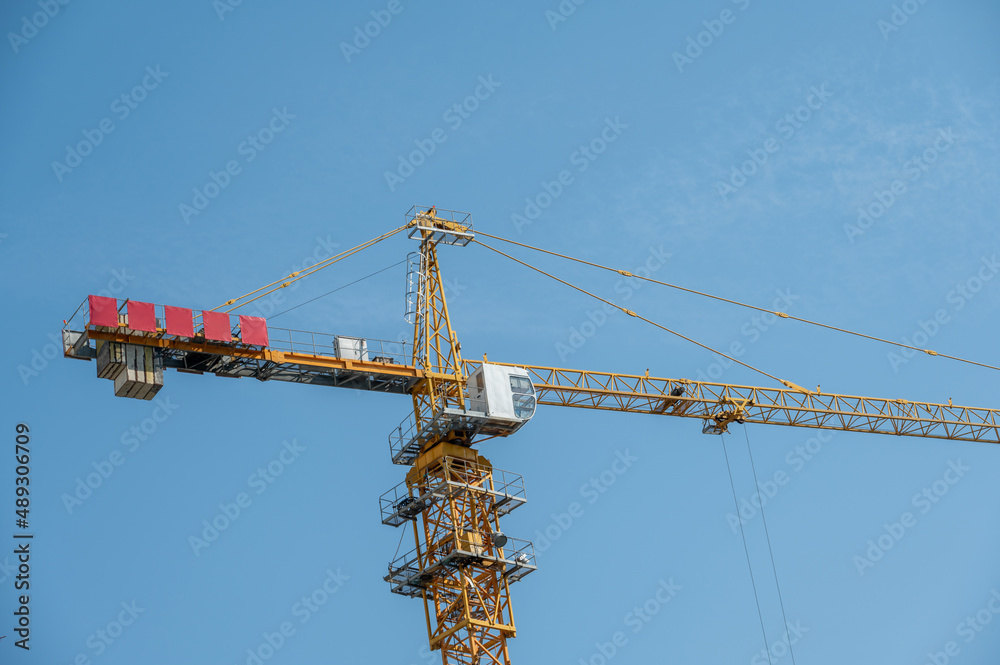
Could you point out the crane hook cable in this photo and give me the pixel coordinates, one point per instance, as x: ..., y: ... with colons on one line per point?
x: 779, y: 314
x: 787, y: 384
x: 301, y: 274
x: 767, y: 534
x: 746, y: 551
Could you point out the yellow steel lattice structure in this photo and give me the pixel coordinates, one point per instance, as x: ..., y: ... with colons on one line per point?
x: 436, y: 350
x: 462, y: 565
x: 466, y: 601
x: 721, y: 403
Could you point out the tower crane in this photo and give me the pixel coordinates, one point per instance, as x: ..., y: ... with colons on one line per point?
x: 462, y: 564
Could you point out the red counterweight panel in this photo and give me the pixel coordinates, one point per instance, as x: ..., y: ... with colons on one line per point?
x: 179, y: 321
x: 141, y: 316
x: 216, y: 326
x: 103, y: 311
x: 253, y: 330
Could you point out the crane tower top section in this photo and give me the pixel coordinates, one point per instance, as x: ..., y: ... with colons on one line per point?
x: 448, y: 227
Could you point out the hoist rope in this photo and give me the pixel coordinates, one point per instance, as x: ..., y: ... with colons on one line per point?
x: 774, y: 568
x: 783, y: 315
x: 746, y: 550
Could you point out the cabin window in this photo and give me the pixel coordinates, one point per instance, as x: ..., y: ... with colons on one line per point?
x: 522, y: 385
x: 524, y: 406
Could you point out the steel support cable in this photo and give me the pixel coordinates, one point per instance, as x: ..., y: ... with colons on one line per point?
x: 783, y: 315
x: 339, y: 288
x: 774, y: 568
x: 746, y: 550
x: 301, y: 274
x: 787, y: 384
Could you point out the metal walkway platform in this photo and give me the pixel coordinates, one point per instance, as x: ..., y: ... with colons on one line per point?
x: 505, y: 489
x: 295, y: 356
x: 410, y: 574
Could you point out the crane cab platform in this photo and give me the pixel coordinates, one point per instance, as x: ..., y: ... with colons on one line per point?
x: 501, y: 400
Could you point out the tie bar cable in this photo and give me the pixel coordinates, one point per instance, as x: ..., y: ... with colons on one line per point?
x: 787, y: 384
x: 339, y: 288
x: 301, y: 274
x: 783, y: 315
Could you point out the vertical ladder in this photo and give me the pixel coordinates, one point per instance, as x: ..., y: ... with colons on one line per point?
x: 414, y: 281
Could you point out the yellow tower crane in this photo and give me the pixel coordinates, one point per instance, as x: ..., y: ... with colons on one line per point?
x: 462, y: 564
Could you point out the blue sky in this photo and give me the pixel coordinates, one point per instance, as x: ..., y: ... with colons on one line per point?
x: 748, y: 159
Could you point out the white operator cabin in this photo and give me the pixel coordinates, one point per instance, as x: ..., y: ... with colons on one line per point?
x: 505, y: 394
x: 501, y: 400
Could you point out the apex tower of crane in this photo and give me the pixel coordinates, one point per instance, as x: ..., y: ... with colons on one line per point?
x: 447, y: 227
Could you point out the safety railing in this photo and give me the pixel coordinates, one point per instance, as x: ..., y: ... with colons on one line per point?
x: 412, y: 572
x: 364, y: 349
x: 450, y: 227
x: 401, y: 503
x: 286, y: 340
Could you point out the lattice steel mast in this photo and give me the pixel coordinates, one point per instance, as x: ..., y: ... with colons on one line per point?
x: 459, y: 565
x: 462, y: 565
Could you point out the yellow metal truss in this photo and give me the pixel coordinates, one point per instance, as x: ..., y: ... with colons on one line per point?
x: 460, y: 569
x: 467, y: 601
x: 436, y: 350
x: 724, y: 403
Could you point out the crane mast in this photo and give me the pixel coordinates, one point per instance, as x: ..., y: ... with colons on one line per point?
x: 458, y: 565
x: 462, y: 564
